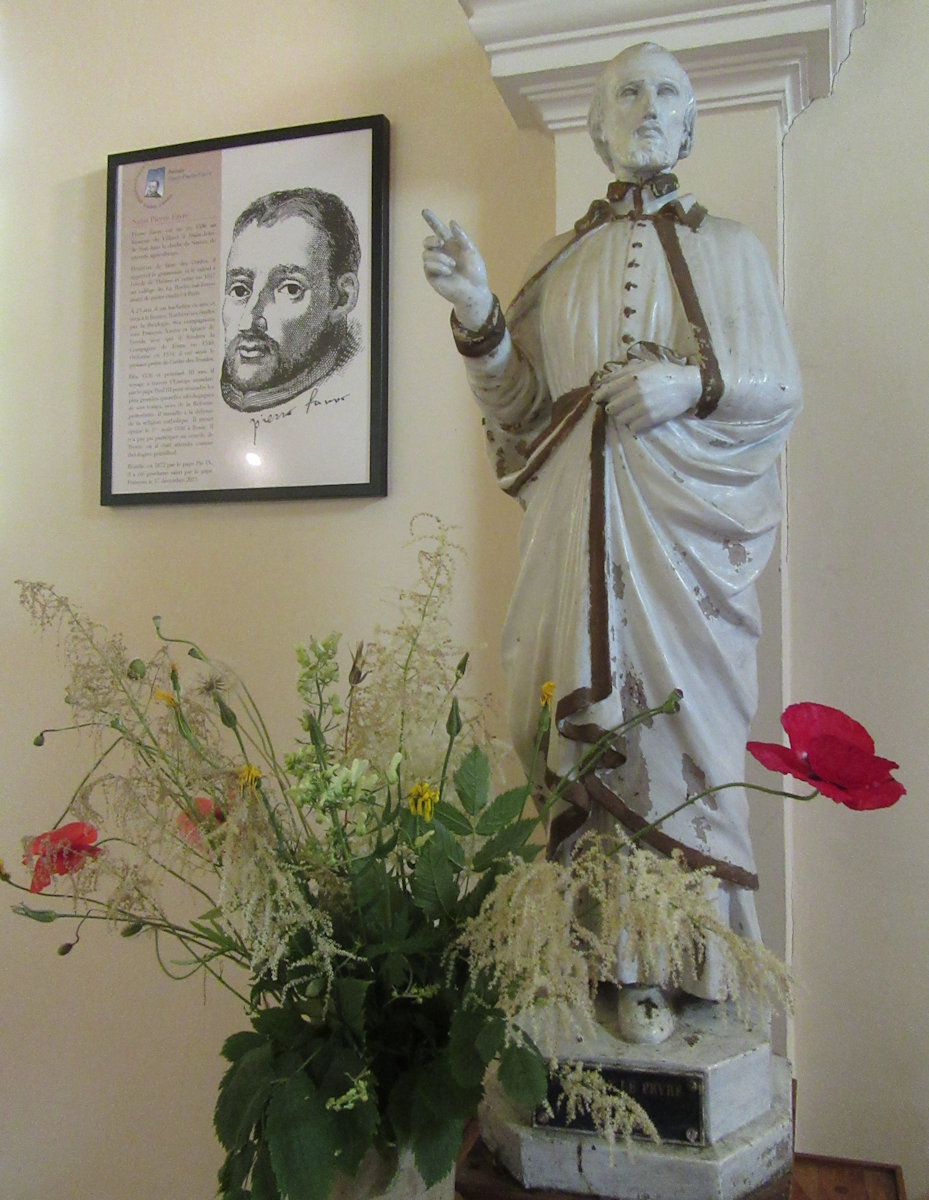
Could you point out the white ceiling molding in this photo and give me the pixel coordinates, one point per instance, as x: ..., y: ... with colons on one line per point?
x: 545, y: 54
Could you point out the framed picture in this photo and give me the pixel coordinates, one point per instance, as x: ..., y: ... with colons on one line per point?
x: 245, y: 345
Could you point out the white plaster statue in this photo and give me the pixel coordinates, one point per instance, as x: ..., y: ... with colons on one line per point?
x: 636, y: 397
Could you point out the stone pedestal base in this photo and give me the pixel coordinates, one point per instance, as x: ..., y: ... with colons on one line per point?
x: 739, y: 1138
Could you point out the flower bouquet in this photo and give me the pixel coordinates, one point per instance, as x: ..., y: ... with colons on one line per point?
x: 385, y: 915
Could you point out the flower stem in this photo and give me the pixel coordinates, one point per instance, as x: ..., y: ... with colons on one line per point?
x: 720, y: 787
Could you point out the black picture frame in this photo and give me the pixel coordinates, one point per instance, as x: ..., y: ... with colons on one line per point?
x: 234, y: 277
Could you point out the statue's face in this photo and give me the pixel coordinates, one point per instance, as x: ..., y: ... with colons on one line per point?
x: 645, y: 103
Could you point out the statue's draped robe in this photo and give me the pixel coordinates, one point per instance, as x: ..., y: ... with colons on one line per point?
x: 639, y: 554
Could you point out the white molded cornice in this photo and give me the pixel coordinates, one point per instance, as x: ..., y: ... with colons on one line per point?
x: 545, y: 54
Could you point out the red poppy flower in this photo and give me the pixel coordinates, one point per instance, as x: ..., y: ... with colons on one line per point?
x: 189, y: 825
x: 833, y: 753
x: 61, y: 851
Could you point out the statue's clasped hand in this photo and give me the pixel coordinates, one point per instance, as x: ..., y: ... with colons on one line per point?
x: 654, y: 385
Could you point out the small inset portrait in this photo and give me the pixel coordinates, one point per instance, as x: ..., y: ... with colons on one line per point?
x: 154, y: 183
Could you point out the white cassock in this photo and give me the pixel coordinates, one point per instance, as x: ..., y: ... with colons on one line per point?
x: 639, y: 553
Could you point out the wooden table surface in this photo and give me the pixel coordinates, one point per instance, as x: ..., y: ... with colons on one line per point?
x: 817, y: 1178
x: 813, y: 1177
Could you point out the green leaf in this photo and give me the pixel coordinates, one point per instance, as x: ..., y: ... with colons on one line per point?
x: 234, y: 1171
x: 438, y: 1116
x: 332, y: 1065
x: 45, y: 915
x: 238, y: 1043
x: 355, y: 1128
x: 280, y: 1026
x: 423, y: 939
x: 211, y: 934
x: 489, y: 1042
x: 507, y: 841
x: 400, y: 1105
x: 301, y: 1140
x: 506, y: 809
x: 370, y: 883
x: 454, y: 821
x: 395, y: 968
x: 472, y: 780
x: 264, y: 1185
x: 350, y: 1003
x: 470, y: 905
x: 451, y: 848
x: 427, y: 1111
x: 447, y: 1097
x: 472, y: 1034
x: 243, y: 1094
x: 435, y: 1144
x: 434, y: 886
x: 523, y: 1075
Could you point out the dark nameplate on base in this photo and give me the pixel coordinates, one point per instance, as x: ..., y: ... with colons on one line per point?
x: 672, y: 1099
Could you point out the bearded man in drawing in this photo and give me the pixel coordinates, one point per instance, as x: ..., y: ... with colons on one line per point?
x: 636, y: 397
x: 291, y: 286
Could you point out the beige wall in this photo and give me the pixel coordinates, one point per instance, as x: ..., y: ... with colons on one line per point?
x: 109, y: 1070
x: 857, y: 172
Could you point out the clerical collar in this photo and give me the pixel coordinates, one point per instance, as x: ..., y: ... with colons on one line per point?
x: 646, y: 197
x: 658, y: 195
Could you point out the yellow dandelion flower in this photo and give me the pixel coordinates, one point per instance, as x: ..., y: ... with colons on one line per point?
x: 248, y: 777
x: 422, y: 799
x: 165, y: 697
x: 547, y: 695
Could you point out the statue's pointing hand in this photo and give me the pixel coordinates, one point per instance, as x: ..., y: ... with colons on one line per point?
x: 454, y: 267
